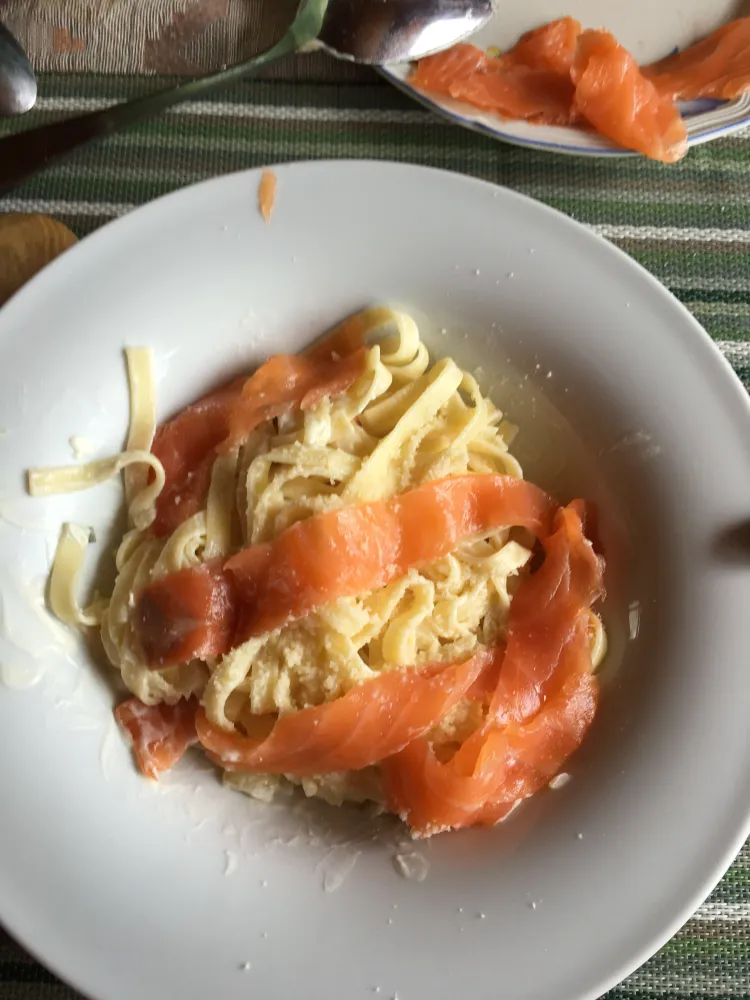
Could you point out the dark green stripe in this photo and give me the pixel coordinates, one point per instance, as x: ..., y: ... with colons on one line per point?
x: 701, y: 295
x: 25, y: 972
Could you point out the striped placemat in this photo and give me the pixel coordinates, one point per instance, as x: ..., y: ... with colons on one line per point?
x: 688, y: 224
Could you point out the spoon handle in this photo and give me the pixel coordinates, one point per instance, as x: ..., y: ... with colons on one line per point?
x: 25, y: 153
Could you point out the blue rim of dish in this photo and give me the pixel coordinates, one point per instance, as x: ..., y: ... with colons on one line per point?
x: 705, y: 120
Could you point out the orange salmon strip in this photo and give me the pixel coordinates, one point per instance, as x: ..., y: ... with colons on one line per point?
x: 267, y: 194
x: 370, y: 722
x: 616, y: 98
x: 506, y: 86
x: 188, y: 615
x: 289, y: 380
x: 518, y: 92
x: 160, y: 733
x: 186, y: 447
x: 339, y: 553
x: 512, y: 763
x: 188, y: 444
x: 550, y: 47
x: 455, y: 66
x: 545, y: 611
x: 544, y: 702
x: 718, y: 66
x: 353, y: 550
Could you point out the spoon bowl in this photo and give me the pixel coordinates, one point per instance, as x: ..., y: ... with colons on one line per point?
x: 17, y: 80
x: 392, y: 31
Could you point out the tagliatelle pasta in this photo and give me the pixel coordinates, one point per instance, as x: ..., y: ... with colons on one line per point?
x: 388, y: 424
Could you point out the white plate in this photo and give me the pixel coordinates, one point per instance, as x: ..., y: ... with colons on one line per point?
x: 647, y: 28
x: 135, y: 891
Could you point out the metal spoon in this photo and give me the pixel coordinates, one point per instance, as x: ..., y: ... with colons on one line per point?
x: 367, y: 31
x: 17, y: 80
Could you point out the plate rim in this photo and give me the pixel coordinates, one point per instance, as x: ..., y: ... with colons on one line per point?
x: 733, y: 842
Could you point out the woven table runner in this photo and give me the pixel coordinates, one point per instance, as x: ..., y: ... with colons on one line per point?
x: 159, y: 36
x: 688, y: 224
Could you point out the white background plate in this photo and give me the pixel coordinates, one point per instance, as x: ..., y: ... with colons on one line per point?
x: 647, y: 28
x: 133, y: 890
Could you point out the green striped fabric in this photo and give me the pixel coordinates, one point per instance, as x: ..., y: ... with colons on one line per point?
x: 688, y: 224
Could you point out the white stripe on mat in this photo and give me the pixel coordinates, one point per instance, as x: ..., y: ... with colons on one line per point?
x: 261, y: 112
x: 732, y: 913
x: 55, y: 206
x: 735, y: 351
x: 231, y: 109
x: 671, y: 234
x: 611, y: 232
x: 693, y: 983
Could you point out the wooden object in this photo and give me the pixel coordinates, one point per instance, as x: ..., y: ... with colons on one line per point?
x: 27, y: 244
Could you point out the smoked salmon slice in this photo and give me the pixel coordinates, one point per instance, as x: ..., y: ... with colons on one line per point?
x: 338, y: 553
x: 509, y: 763
x: 717, y: 66
x: 457, y: 65
x: 355, y: 549
x: 545, y: 611
x: 371, y: 721
x: 160, y: 734
x: 192, y: 612
x: 543, y: 704
x: 516, y: 91
x: 186, y: 447
x: 289, y: 380
x: 558, y: 74
x: 550, y: 47
x: 188, y: 444
x: 267, y: 195
x: 509, y: 88
x: 614, y: 96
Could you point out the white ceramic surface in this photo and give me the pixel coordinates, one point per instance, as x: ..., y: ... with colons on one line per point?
x: 648, y: 29
x: 133, y: 890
